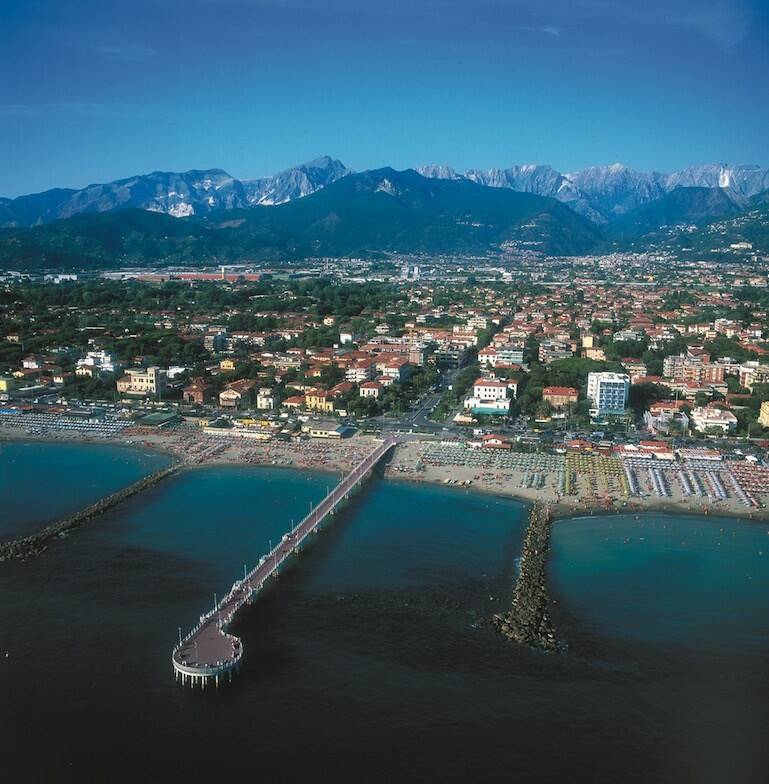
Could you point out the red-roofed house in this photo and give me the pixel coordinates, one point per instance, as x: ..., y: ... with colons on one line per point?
x: 239, y: 394
x: 295, y: 401
x: 560, y: 397
x: 371, y: 389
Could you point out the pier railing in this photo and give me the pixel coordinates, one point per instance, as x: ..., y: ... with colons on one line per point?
x: 207, y: 652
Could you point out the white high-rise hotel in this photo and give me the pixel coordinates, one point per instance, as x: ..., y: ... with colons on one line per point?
x: 608, y: 392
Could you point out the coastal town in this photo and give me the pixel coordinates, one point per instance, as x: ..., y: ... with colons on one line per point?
x: 384, y: 391
x: 635, y: 382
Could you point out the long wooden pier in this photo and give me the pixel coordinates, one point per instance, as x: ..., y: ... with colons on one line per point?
x: 208, y: 653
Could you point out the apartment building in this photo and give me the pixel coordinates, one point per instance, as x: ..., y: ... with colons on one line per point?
x: 753, y: 373
x: 491, y: 397
x: 143, y: 382
x: 708, y: 420
x: 550, y: 350
x: 608, y: 393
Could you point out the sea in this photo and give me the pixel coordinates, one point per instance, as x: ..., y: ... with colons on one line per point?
x: 371, y: 658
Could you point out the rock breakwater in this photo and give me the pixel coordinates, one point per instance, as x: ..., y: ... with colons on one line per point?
x: 528, y: 620
x: 35, y: 544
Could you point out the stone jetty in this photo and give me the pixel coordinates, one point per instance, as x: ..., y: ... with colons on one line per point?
x: 528, y: 620
x: 35, y: 544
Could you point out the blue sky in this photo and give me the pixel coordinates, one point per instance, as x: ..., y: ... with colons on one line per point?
x: 93, y: 90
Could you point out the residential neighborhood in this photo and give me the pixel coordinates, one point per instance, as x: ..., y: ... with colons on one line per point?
x: 678, y: 351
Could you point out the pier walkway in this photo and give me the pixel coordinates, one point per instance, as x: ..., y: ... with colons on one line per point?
x: 208, y: 653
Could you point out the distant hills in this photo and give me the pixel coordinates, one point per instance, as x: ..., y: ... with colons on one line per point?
x: 360, y: 214
x: 388, y: 210
x: 100, y: 240
x: 687, y: 227
x: 600, y: 193
x: 196, y: 192
x: 604, y: 193
x: 680, y: 207
x: 323, y: 209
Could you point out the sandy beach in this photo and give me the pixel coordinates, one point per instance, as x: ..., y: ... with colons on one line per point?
x: 191, y: 447
x: 589, y: 497
x: 591, y: 493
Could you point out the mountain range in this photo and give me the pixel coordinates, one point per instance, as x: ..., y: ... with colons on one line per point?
x: 361, y: 214
x: 600, y: 193
x: 695, y: 223
x: 604, y: 193
x: 323, y: 209
x: 196, y: 192
x: 683, y: 206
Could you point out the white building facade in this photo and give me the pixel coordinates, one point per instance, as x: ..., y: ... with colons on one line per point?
x: 608, y: 392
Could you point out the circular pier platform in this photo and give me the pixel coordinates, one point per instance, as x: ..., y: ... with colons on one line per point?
x: 208, y: 657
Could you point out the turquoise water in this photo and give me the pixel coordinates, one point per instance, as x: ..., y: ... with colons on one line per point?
x: 218, y: 520
x: 409, y: 538
x: 41, y: 482
x: 215, y: 520
x: 666, y: 578
x: 371, y: 657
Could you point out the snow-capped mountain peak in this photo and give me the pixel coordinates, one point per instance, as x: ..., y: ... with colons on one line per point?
x: 296, y: 182
x: 439, y: 172
x: 385, y: 186
x: 602, y: 193
x: 179, y: 194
